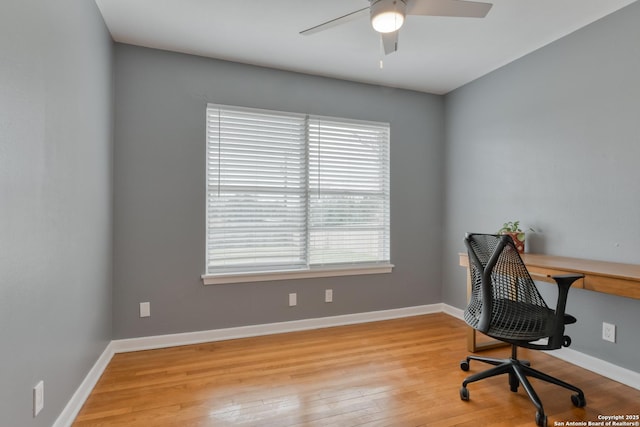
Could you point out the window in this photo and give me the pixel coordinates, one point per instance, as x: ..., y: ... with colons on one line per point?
x: 293, y: 195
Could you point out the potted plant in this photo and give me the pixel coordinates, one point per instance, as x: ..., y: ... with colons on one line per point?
x: 512, y: 228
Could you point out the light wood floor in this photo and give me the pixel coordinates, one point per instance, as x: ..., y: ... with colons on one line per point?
x: 402, y: 372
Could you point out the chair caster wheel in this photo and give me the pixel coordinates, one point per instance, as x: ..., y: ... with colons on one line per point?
x: 541, y: 419
x: 578, y: 400
x: 566, y: 341
x: 464, y: 365
x: 513, y: 383
x: 464, y: 393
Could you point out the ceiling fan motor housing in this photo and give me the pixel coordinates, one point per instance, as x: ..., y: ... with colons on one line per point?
x: 387, y: 15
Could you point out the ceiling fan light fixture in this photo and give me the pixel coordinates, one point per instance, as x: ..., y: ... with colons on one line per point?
x: 387, y: 15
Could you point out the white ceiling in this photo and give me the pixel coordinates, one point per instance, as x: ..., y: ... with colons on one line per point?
x: 435, y: 54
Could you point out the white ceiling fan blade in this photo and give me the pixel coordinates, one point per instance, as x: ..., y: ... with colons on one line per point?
x: 390, y: 42
x: 457, y: 8
x: 337, y: 21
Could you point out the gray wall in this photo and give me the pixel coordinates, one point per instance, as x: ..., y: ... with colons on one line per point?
x: 160, y: 194
x: 553, y: 140
x: 55, y: 202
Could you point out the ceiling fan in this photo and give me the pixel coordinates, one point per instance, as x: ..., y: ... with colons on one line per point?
x: 387, y: 16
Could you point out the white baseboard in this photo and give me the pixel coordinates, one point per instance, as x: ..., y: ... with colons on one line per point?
x: 172, y: 340
x: 70, y: 411
x: 601, y: 367
x: 453, y: 311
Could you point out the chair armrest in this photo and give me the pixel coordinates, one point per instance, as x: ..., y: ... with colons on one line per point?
x: 564, y: 282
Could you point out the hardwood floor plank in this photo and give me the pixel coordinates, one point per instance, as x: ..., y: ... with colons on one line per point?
x: 402, y: 372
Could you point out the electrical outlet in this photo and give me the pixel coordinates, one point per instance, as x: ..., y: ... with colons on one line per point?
x: 328, y: 295
x: 38, y: 398
x: 608, y: 332
x: 145, y: 309
x: 293, y: 299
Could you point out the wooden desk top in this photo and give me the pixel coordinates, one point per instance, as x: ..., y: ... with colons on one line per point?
x: 600, y: 276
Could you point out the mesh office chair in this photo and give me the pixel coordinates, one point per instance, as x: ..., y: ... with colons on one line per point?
x: 506, y: 305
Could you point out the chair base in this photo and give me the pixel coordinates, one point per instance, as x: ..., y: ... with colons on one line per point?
x: 518, y: 371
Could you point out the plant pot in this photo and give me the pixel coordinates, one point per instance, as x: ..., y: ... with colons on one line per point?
x: 518, y: 239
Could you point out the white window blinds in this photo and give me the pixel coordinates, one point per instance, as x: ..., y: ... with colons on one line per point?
x: 293, y: 192
x: 348, y: 192
x: 256, y: 190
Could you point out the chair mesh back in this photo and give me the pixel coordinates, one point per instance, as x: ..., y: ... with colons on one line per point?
x: 518, y: 311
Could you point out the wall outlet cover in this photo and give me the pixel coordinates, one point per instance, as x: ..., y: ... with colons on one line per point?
x: 328, y: 295
x: 38, y: 398
x: 608, y: 332
x: 145, y: 309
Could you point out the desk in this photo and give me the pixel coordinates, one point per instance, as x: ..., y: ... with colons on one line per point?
x: 599, y: 276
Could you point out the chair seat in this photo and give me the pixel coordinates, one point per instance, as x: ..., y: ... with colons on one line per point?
x: 515, y: 320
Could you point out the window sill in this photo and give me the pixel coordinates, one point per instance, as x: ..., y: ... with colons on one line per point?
x: 219, y: 279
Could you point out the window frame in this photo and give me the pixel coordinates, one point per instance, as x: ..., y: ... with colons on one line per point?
x: 309, y: 270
